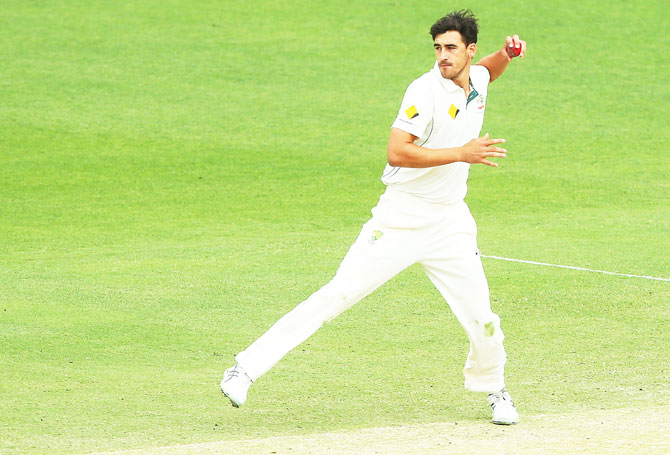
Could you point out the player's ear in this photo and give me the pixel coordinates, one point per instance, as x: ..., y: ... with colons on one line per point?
x: 472, y: 49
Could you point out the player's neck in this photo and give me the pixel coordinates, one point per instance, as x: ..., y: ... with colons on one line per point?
x: 463, y: 80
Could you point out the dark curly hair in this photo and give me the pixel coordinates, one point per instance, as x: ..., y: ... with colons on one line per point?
x: 463, y: 22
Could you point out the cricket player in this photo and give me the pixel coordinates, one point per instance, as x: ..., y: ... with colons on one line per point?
x: 420, y: 218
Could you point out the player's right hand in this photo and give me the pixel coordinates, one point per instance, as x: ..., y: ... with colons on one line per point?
x: 478, y: 150
x: 515, y: 46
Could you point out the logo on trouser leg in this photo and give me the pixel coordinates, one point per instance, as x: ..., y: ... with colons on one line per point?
x: 376, y: 235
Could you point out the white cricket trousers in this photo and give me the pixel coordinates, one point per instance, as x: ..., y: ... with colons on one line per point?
x: 404, y: 230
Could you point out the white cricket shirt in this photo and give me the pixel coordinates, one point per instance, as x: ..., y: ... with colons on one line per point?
x: 435, y: 110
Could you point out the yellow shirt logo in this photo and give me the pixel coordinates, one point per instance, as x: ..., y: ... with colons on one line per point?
x: 411, y: 112
x: 453, y: 111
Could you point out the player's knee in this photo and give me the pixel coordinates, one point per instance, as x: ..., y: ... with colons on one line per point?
x: 488, y: 329
x: 328, y: 302
x: 333, y: 301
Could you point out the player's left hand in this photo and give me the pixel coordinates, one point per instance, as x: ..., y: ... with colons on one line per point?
x: 515, y: 47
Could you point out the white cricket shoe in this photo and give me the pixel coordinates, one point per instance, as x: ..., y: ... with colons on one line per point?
x: 235, y: 385
x: 504, y: 412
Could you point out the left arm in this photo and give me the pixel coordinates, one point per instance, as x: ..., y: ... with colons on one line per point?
x: 497, y: 62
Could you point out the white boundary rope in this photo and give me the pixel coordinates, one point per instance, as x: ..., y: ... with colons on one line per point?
x: 576, y: 268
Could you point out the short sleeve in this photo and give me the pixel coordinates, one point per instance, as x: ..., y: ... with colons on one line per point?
x: 480, y: 76
x: 416, y: 110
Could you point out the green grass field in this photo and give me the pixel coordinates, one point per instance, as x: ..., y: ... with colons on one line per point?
x: 175, y: 176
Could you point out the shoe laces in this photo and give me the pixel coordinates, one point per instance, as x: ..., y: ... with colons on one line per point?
x: 235, y: 372
x: 232, y: 373
x: 500, y: 397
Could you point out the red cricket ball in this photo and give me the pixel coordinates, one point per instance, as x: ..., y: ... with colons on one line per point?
x: 516, y: 50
